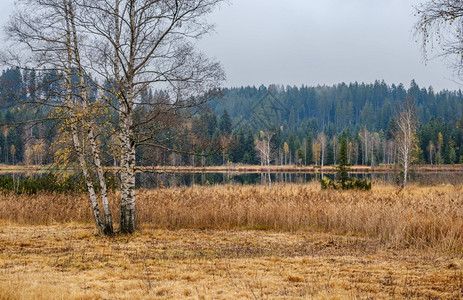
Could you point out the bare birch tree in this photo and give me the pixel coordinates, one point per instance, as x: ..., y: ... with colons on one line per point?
x: 322, y: 140
x: 405, y: 136
x: 334, y: 142
x: 439, y: 27
x: 364, y: 135
x: 135, y: 45
x: 142, y: 44
x: 265, y: 150
x: 316, y: 150
x: 46, y: 30
x: 431, y: 149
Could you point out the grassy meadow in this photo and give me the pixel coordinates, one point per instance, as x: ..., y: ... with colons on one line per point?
x: 232, y: 241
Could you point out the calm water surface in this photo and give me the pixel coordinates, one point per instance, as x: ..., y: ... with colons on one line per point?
x: 154, y: 180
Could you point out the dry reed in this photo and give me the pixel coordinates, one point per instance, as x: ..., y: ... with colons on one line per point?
x: 421, y: 217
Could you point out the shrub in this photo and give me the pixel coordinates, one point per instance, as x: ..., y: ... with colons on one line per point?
x: 51, y: 182
x: 349, y: 184
x: 344, y: 182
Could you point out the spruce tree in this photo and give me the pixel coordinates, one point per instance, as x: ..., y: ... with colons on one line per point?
x: 343, y: 168
x: 309, y: 153
x: 225, y: 123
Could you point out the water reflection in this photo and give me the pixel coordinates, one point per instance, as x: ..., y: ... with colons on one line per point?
x: 154, y: 180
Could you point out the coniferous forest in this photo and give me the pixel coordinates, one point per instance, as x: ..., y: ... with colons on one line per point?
x: 303, y: 125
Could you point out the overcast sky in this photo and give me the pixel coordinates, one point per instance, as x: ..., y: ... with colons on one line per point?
x: 315, y: 42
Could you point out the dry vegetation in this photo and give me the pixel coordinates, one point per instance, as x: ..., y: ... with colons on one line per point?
x: 418, y: 216
x: 239, y: 241
x: 70, y: 262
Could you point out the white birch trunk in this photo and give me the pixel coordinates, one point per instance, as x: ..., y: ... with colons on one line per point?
x: 127, y: 164
x: 75, y: 136
x: 405, y: 135
x: 128, y: 131
x: 108, y: 228
x: 90, y: 188
x: 127, y: 176
x: 405, y: 173
x: 104, y: 189
x: 268, y: 164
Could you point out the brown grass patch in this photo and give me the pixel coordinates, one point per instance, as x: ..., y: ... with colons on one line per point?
x: 69, y: 261
x: 420, y: 217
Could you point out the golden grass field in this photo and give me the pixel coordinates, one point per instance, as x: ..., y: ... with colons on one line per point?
x: 228, y: 242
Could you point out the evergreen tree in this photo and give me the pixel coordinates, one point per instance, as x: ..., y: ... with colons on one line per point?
x: 250, y: 153
x: 329, y: 155
x: 342, y: 169
x: 225, y: 123
x: 309, y: 153
x: 238, y: 149
x: 292, y: 147
x: 300, y: 156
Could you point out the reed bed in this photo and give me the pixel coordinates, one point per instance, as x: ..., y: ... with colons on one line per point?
x: 418, y: 217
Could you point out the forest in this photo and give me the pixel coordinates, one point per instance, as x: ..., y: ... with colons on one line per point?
x: 305, y: 124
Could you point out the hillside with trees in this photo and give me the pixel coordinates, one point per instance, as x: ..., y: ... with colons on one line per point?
x: 309, y: 121
x: 307, y: 125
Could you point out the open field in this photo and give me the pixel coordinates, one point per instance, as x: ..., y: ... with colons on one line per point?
x: 295, y: 241
x: 70, y: 262
x: 418, y: 216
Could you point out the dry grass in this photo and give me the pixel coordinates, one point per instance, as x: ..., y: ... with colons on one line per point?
x: 419, y: 217
x: 70, y: 262
x: 228, y: 242
x: 416, y: 217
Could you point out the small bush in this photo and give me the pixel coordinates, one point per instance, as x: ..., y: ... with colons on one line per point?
x: 344, y: 182
x: 327, y: 183
x: 51, y: 182
x: 349, y: 184
x: 364, y: 184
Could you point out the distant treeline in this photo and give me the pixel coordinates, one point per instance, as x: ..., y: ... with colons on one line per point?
x: 362, y: 112
x: 334, y: 109
x: 304, y: 124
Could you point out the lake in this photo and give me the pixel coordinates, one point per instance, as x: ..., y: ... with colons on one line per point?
x: 166, y: 179
x: 171, y: 178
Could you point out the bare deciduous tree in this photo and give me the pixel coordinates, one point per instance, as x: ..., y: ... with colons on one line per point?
x: 405, y: 135
x: 265, y: 150
x: 134, y: 45
x: 440, y: 26
x: 141, y: 44
x: 322, y: 140
x: 46, y: 35
x: 316, y: 150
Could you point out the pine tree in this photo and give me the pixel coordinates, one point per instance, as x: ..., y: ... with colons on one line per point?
x: 225, y: 123
x: 250, y: 153
x: 343, y: 168
x: 309, y: 154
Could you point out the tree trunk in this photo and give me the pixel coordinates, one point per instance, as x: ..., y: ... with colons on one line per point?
x: 405, y: 173
x: 268, y: 165
x: 127, y: 164
x: 108, y: 227
x: 75, y: 134
x: 88, y: 181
